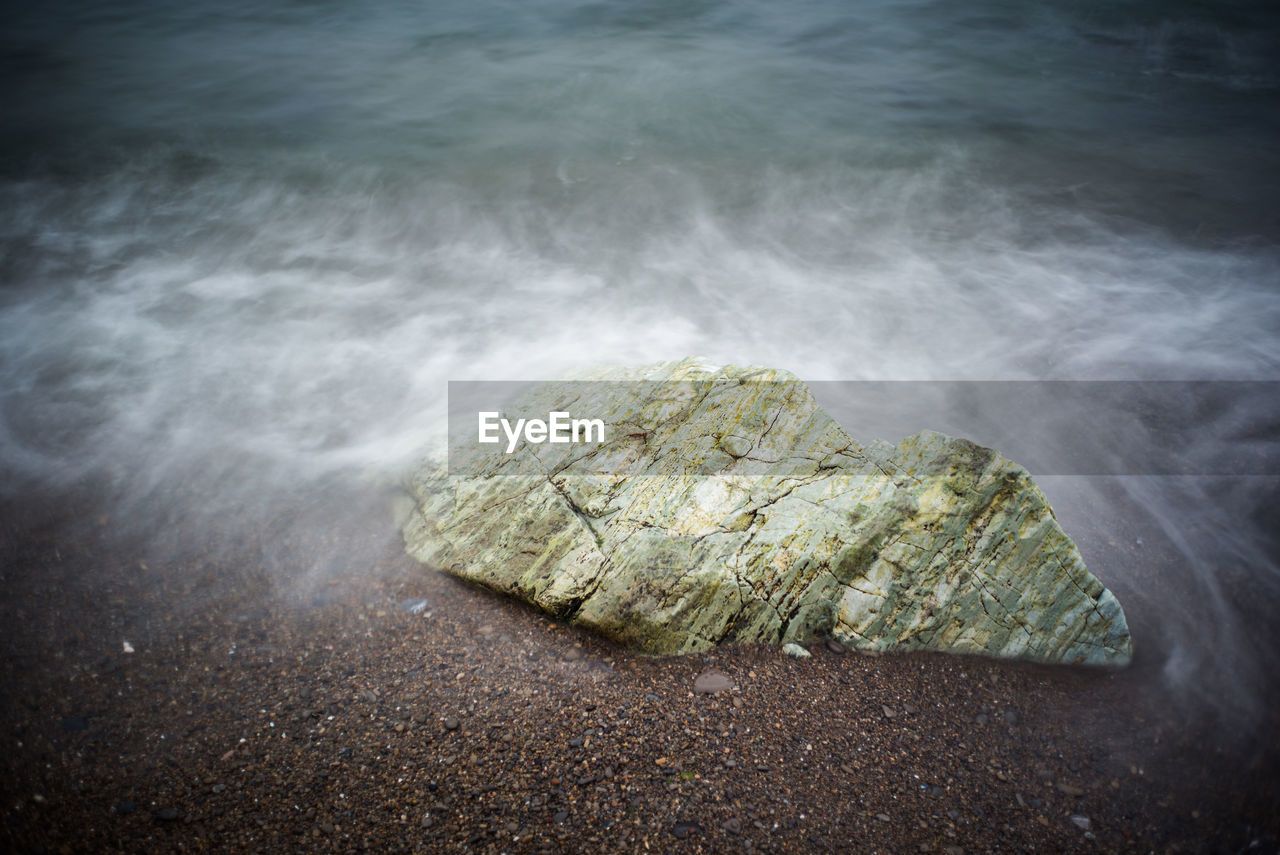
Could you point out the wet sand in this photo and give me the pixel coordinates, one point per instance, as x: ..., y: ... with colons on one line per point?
x: 282, y: 697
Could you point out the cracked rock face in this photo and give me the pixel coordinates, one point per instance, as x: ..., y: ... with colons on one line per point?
x: 725, y: 505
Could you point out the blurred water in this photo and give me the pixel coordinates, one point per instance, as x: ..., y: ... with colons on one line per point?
x: 264, y: 236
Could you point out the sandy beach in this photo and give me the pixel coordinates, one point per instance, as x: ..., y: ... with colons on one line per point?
x: 288, y: 695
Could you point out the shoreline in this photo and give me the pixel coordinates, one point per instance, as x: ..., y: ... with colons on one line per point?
x: 281, y: 698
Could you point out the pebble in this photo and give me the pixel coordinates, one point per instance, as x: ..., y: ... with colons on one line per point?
x: 1081, y: 822
x: 450, y: 723
x: 733, y: 825
x: 980, y: 718
x: 683, y: 830
x: 576, y: 742
x: 835, y: 646
x: 167, y: 814
x: 1010, y: 718
x: 124, y: 808
x: 889, y: 712
x: 710, y: 682
x: 415, y: 606
x: 1069, y: 790
x: 884, y: 817
x: 793, y: 649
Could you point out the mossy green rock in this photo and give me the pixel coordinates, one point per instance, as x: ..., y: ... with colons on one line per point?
x: 725, y: 505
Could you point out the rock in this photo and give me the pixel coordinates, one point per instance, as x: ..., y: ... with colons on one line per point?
x: 732, y: 825
x: 683, y: 830
x: 710, y: 682
x: 451, y: 723
x: 796, y: 650
x: 889, y: 712
x: 725, y: 505
x: 835, y: 646
x: 1081, y: 822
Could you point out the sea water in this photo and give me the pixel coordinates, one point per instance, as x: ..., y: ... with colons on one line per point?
x: 263, y: 236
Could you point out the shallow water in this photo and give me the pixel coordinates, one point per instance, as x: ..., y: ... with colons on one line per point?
x: 263, y: 237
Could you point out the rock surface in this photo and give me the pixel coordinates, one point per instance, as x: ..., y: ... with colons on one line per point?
x: 725, y: 504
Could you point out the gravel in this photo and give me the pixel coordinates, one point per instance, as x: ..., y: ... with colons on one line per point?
x: 283, y: 699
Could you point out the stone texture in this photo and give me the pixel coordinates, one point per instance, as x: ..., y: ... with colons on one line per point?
x: 727, y: 505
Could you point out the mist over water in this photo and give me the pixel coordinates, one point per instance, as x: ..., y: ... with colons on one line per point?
x: 253, y: 242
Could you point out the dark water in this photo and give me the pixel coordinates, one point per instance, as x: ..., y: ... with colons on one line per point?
x: 264, y: 236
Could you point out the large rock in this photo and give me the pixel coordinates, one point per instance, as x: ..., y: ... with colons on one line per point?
x: 726, y: 505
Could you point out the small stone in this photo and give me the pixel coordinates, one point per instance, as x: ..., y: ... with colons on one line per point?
x: 1069, y: 789
x: 167, y: 814
x: 793, y: 649
x: 682, y: 830
x: 586, y: 779
x: 573, y: 654
x: 561, y: 815
x: 737, y: 703
x: 125, y: 808
x: 952, y: 849
x: 889, y: 712
x: 835, y: 646
x: 730, y: 763
x: 710, y: 682
x: 218, y: 788
x: 576, y: 742
x: 980, y: 718
x: 1081, y: 822
x: 415, y: 606
x: 884, y: 817
x: 1010, y: 718
x: 732, y: 825
x: 450, y: 723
